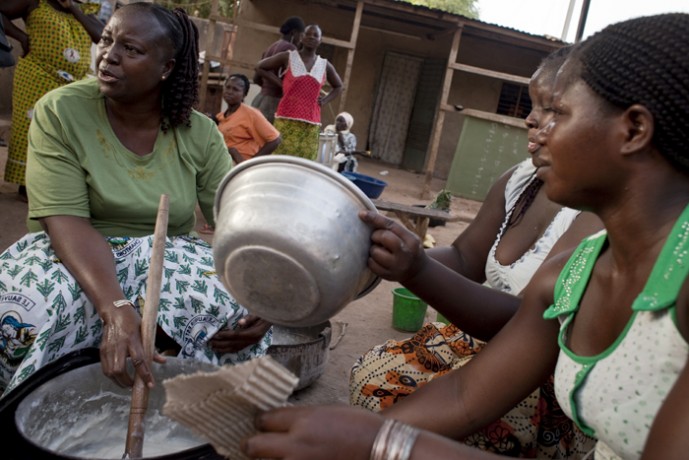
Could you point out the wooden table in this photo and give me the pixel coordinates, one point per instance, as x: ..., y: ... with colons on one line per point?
x: 415, y: 218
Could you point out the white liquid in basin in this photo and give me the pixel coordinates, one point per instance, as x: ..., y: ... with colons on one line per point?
x: 95, y: 427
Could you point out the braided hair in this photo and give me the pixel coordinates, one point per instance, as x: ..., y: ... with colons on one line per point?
x: 645, y: 61
x: 181, y: 89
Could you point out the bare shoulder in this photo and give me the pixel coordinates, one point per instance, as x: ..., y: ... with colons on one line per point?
x: 586, y: 224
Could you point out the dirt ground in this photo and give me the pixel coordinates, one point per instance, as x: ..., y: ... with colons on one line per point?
x: 363, y: 323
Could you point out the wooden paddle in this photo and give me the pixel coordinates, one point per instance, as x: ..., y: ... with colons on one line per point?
x: 137, y: 412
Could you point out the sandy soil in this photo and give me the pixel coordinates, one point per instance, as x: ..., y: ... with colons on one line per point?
x: 362, y: 324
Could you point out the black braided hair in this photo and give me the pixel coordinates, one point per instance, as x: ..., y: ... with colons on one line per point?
x: 523, y: 203
x: 244, y: 79
x: 181, y: 89
x: 645, y: 61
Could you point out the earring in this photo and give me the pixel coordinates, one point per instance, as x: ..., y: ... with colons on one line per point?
x: 163, y: 77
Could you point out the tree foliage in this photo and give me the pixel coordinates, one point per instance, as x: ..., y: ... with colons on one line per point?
x: 468, y: 8
x: 200, y: 8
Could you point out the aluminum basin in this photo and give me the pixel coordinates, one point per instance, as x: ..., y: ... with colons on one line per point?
x: 288, y: 243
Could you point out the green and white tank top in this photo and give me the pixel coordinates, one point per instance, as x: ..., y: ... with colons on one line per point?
x: 615, y: 395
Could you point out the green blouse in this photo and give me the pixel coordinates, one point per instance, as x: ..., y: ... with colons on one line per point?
x: 77, y: 166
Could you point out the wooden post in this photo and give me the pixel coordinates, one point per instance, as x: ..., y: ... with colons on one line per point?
x: 137, y: 411
x: 210, y: 41
x: 350, y: 53
x: 440, y: 116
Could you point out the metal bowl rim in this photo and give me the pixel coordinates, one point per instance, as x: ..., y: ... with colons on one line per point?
x: 287, y: 159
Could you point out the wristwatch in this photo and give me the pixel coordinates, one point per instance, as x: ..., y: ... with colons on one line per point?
x: 122, y: 303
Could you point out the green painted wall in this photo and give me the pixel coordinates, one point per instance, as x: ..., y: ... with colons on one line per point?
x: 485, y: 150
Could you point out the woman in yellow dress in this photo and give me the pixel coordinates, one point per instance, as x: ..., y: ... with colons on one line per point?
x: 59, y: 35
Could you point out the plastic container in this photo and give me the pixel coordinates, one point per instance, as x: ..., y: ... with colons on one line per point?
x: 371, y: 186
x: 408, y: 311
x: 327, y: 146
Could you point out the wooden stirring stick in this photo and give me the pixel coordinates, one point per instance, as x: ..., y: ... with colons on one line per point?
x: 135, y: 432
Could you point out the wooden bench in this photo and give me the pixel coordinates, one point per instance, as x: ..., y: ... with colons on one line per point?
x: 415, y: 218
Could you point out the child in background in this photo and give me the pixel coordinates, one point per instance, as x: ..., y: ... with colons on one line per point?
x: 346, y: 142
x: 246, y: 131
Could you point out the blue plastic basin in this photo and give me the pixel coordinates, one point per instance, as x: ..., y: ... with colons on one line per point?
x: 371, y: 186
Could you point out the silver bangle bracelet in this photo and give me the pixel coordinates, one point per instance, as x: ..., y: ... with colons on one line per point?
x: 394, y: 441
x: 380, y: 443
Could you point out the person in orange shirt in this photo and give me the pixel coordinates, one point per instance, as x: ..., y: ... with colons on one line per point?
x: 246, y: 131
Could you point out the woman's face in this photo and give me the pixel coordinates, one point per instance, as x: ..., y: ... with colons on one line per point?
x: 233, y: 93
x: 312, y: 37
x: 582, y: 139
x: 541, y: 94
x: 134, y: 57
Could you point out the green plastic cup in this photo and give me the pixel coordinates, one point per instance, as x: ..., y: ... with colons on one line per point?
x: 408, y: 311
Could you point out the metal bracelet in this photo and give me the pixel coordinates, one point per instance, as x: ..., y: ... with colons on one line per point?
x: 378, y: 451
x: 122, y: 302
x: 394, y: 441
x: 401, y: 440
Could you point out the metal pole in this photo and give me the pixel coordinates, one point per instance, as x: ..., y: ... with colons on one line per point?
x: 582, y: 20
x: 568, y: 20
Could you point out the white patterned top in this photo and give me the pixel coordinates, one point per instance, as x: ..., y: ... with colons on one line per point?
x: 514, y: 277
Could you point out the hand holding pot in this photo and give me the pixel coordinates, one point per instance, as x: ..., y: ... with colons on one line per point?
x: 396, y: 254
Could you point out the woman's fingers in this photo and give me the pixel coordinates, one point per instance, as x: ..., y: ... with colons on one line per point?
x: 251, y: 330
x: 388, y: 233
x: 121, y: 342
x: 395, y: 251
x: 143, y: 371
x: 310, y: 432
x: 113, y: 362
x: 281, y: 419
x: 266, y: 445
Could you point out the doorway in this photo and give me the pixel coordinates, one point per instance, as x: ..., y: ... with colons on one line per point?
x: 393, y: 107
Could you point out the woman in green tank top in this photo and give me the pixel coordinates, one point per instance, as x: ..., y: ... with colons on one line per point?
x: 616, y: 146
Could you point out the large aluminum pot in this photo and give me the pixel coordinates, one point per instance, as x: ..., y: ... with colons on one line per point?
x: 78, y: 413
x: 302, y: 350
x: 288, y: 243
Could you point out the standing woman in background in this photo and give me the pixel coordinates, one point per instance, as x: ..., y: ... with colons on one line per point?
x: 271, y: 80
x: 59, y: 33
x: 298, y: 117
